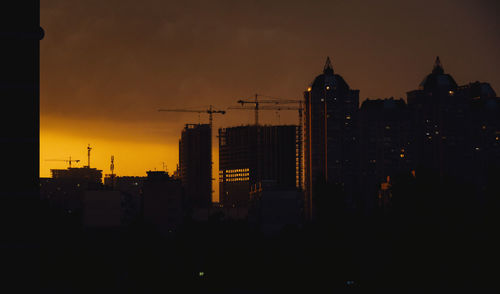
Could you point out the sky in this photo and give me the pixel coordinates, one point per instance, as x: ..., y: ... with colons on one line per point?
x: 107, y: 66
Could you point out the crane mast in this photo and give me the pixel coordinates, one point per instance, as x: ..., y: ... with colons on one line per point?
x: 210, y: 111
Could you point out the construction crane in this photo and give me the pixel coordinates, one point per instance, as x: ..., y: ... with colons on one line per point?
x: 256, y: 102
x: 276, y: 108
x: 69, y: 161
x: 299, y: 137
x: 211, y: 111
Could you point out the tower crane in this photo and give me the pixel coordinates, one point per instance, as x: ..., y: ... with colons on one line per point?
x: 211, y: 111
x: 256, y: 102
x: 69, y: 161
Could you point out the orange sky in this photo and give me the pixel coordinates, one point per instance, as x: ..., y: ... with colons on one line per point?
x: 106, y: 66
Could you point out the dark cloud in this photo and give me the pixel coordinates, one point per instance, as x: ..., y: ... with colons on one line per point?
x: 121, y: 60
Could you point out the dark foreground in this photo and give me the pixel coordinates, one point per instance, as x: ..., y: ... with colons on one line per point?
x: 230, y: 257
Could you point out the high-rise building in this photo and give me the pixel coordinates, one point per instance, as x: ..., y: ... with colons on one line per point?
x: 438, y: 116
x: 384, y: 140
x: 483, y: 133
x: 249, y: 155
x: 195, y: 149
x: 331, y: 135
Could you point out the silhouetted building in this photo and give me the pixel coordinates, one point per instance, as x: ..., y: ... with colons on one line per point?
x: 162, y: 202
x: 438, y: 116
x: 131, y: 189
x: 90, y: 176
x: 331, y: 135
x: 65, y: 190
x: 384, y: 140
x: 252, y: 154
x: 195, y: 148
x: 20, y: 35
x: 483, y: 133
x: 455, y: 129
x: 273, y: 209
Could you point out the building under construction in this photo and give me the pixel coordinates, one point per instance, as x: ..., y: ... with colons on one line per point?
x: 250, y: 155
x: 195, y: 149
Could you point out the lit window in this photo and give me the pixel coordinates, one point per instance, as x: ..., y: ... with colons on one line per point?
x: 348, y: 117
x: 387, y: 127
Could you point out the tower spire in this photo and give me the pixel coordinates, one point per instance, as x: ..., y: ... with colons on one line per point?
x: 438, y: 67
x: 328, y: 66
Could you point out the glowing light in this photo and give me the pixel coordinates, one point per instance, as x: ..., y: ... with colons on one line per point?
x: 401, y: 155
x: 451, y: 93
x: 327, y: 88
x: 309, y: 89
x: 201, y: 274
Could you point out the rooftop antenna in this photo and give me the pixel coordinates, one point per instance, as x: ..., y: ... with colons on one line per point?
x: 112, y: 166
x: 88, y: 154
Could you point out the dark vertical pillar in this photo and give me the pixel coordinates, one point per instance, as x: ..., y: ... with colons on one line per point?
x: 20, y: 36
x: 20, y: 227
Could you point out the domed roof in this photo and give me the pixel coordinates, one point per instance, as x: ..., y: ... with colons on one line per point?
x: 329, y: 78
x: 438, y: 80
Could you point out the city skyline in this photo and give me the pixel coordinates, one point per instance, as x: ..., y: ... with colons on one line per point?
x: 87, y: 89
x: 249, y: 147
